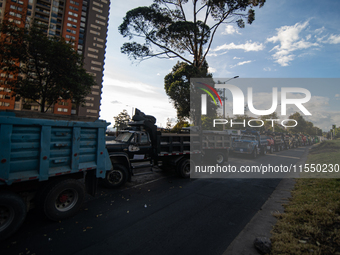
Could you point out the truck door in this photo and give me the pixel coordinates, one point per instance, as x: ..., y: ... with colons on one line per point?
x: 142, y: 146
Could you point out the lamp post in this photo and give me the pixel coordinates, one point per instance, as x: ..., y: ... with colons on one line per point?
x: 132, y: 109
x: 223, y: 109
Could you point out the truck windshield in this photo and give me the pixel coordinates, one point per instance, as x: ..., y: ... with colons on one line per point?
x: 124, y: 137
x: 246, y: 137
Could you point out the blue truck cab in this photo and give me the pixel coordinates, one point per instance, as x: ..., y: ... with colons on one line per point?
x: 246, y: 144
x: 250, y: 142
x: 49, y: 162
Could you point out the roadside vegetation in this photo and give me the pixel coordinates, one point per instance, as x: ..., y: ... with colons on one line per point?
x: 311, y: 221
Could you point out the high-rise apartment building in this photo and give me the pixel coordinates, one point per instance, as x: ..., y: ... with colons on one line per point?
x: 82, y: 22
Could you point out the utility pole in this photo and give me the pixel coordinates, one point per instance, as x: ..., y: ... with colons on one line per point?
x: 223, y: 107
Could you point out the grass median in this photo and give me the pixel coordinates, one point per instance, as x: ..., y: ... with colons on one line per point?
x: 311, y: 221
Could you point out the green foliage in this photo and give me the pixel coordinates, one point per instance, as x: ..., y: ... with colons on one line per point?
x: 169, y: 33
x: 207, y: 123
x: 47, y: 68
x: 179, y: 125
x: 177, y: 85
x: 122, y: 120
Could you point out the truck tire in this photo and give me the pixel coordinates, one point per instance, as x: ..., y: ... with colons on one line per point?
x: 116, y: 177
x: 254, y: 153
x: 183, y: 168
x: 63, y: 199
x: 220, y: 158
x: 12, y: 213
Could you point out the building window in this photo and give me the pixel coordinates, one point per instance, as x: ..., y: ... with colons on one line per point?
x: 95, y: 68
x: 100, y: 22
x: 63, y: 103
x: 94, y: 32
x: 35, y: 108
x: 96, y: 27
x: 93, y: 74
x: 73, y: 14
x: 73, y: 8
x: 100, y: 17
x: 97, y: 10
x: 73, y: 20
x: 95, y: 93
x: 96, y: 63
x: 73, y: 2
x: 4, y: 104
x: 89, y: 98
x: 62, y: 110
x: 92, y: 56
x: 91, y: 111
x: 98, y: 45
x: 98, y: 4
x: 98, y: 39
x: 93, y: 50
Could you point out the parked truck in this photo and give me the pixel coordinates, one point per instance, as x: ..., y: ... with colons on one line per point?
x: 49, y: 162
x: 141, y: 145
x: 250, y: 142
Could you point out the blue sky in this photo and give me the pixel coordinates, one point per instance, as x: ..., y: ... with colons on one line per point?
x: 288, y: 39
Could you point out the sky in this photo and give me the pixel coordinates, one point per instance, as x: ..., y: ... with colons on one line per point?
x: 288, y: 39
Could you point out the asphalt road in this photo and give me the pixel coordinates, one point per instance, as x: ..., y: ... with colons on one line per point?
x: 155, y: 214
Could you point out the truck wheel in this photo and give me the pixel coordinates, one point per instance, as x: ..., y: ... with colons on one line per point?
x: 254, y: 154
x: 12, y: 213
x: 63, y: 199
x: 220, y: 158
x: 116, y: 177
x: 183, y: 168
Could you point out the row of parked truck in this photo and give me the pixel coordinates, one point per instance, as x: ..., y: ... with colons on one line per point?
x: 52, y: 164
x: 255, y: 143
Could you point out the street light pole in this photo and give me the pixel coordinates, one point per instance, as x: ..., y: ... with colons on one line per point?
x: 223, y: 109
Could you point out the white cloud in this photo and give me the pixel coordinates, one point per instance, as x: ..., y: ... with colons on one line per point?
x: 213, y: 54
x: 290, y: 40
x: 267, y: 69
x: 236, y: 58
x: 241, y: 63
x: 211, y: 70
x: 334, y: 39
x: 319, y: 30
x: 116, y: 102
x: 248, y: 46
x: 337, y: 95
x: 120, y: 94
x: 229, y: 30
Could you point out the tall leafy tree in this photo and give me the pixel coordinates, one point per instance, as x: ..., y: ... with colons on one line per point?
x: 184, y: 30
x: 180, y: 28
x: 45, y: 69
x: 177, y: 86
